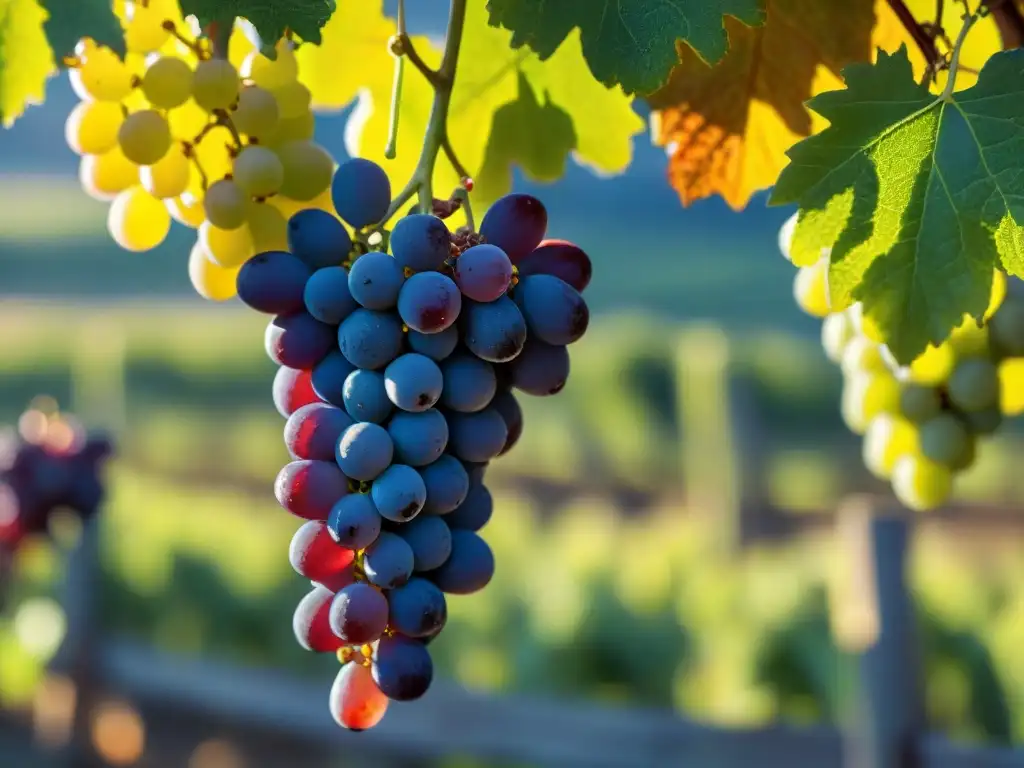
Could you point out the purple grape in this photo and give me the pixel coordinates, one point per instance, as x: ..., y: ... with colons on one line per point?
x: 354, y: 522
x: 476, y: 471
x: 273, y: 282
x: 560, y: 258
x: 291, y: 390
x: 359, y: 614
x: 429, y: 302
x: 298, y: 340
x: 495, y: 331
x: 364, y: 451
x: 541, y: 370
x: 388, y: 562
x: 469, y: 568
x: 506, y: 404
x: 329, y: 378
x: 469, y: 383
x: 419, y: 438
x: 516, y: 223
x: 313, y: 553
x: 417, y: 609
x: 327, y: 297
x: 313, y: 431
x: 309, y: 489
x: 555, y: 312
x: 430, y: 541
x: 477, y: 436
x: 375, y: 280
x: 421, y: 242
x: 399, y: 493
x: 402, y: 668
x: 312, y: 623
x: 475, y: 512
x: 318, y: 239
x: 447, y: 484
x: 370, y: 339
x: 413, y: 382
x: 436, y: 346
x: 483, y: 272
x: 366, y: 397
x: 361, y: 192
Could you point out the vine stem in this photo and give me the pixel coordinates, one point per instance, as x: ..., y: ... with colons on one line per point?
x: 397, y: 45
x: 443, y: 79
x: 954, y: 60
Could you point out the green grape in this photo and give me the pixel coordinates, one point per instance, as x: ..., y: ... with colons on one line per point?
x: 258, y: 171
x: 187, y: 209
x: 865, y: 396
x: 138, y: 221
x: 101, y: 75
x: 836, y: 332
x: 145, y: 32
x: 919, y: 402
x: 272, y: 74
x: 215, y: 84
x: 169, y: 176
x: 210, y: 280
x: 985, y: 421
x: 144, y: 137
x: 887, y: 439
x: 810, y: 289
x: 92, y: 126
x: 293, y: 100
x: 226, y: 247
x: 257, y: 113
x: 1011, y: 385
x: 946, y: 440
x: 862, y: 355
x: 268, y: 226
x: 974, y: 385
x: 308, y: 169
x: 786, y: 237
x: 105, y: 176
x: 934, y: 365
x: 969, y: 340
x: 921, y: 484
x: 1006, y: 328
x: 299, y: 128
x: 167, y: 83
x: 225, y: 204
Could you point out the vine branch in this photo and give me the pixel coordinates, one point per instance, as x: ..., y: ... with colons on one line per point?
x: 1009, y: 21
x: 925, y: 41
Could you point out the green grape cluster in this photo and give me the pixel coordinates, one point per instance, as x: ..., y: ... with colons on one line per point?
x: 921, y: 424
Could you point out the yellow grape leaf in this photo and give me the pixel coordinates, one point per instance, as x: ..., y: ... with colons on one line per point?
x: 26, y: 60
x: 726, y: 128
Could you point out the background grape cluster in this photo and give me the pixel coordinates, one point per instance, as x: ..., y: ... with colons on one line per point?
x: 172, y: 132
x: 397, y: 378
x: 922, y: 424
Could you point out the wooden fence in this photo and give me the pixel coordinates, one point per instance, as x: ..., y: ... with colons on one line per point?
x: 275, y: 721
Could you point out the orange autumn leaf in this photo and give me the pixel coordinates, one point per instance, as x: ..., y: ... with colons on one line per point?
x: 726, y: 128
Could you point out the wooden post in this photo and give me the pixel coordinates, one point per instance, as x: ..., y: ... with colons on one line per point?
x: 873, y: 615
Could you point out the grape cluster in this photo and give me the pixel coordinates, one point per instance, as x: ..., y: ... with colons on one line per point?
x: 921, y: 423
x: 172, y: 132
x: 397, y: 379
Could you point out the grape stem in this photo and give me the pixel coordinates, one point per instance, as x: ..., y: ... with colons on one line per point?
x: 954, y: 59
x: 391, y: 148
x: 442, y: 80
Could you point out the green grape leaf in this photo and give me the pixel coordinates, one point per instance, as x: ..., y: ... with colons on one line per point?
x: 25, y: 58
x: 631, y: 43
x: 71, y: 20
x: 270, y: 17
x: 920, y: 197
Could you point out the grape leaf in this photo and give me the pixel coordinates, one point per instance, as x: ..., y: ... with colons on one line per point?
x: 631, y: 43
x: 25, y: 58
x: 726, y: 127
x: 271, y: 18
x: 920, y: 197
x: 71, y: 20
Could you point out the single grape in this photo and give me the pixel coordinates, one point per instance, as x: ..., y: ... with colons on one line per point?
x: 983, y: 422
x: 356, y: 703
x: 138, y: 221
x: 256, y: 114
x: 946, y: 440
x: 187, y: 209
x: 476, y: 471
x: 307, y: 169
x: 313, y: 431
x: 101, y: 75
x: 328, y: 378
x: 273, y: 282
x: 473, y: 513
x: 561, y: 259
x: 469, y: 383
x: 315, y: 555
x: 169, y: 176
x: 144, y: 137
x: 469, y: 568
x: 399, y: 493
x: 145, y: 32
x: 225, y: 204
x: 354, y: 521
x: 1006, y: 328
x: 516, y: 223
x: 292, y: 389
x: 419, y: 438
x: 105, y: 176
x: 361, y: 192
x: 212, y: 282
x: 413, y: 382
x: 326, y: 295
x: 865, y: 395
x: 375, y: 280
x: 309, y: 489
x: 418, y: 608
x: 447, y: 484
x: 495, y: 331
x: 483, y: 272
x: 786, y: 232
x: 921, y: 484
x: 366, y: 397
x: 293, y: 99
x: 541, y: 369
x: 364, y: 451
x: 836, y: 332
x: 430, y: 541
x: 477, y: 436
x: 969, y: 340
x: 167, y: 83
x: 402, y: 668
x: 934, y: 365
x: 298, y: 340
x: 272, y: 73
x: 300, y: 128
x: 429, y: 302
x: 505, y: 403
x: 318, y: 238
x: 311, y: 622
x: 436, y: 346
x: 919, y: 402
x: 359, y: 614
x: 388, y: 562
x: 421, y: 242
x: 370, y: 339
x: 92, y: 127
x: 974, y: 385
x: 215, y: 84
x: 810, y: 289
x: 258, y: 172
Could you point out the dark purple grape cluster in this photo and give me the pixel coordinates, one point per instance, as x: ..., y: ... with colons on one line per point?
x: 399, y: 379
